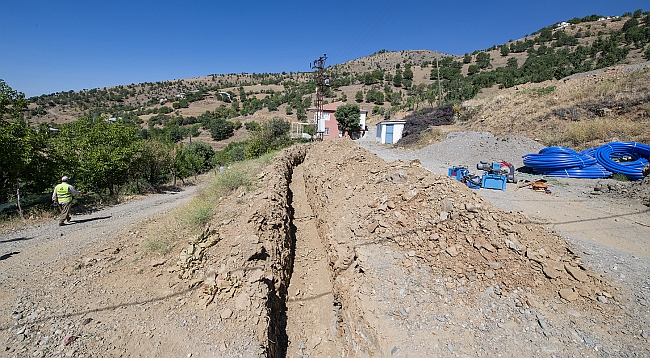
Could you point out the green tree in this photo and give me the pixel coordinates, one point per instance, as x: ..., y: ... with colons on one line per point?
x: 472, y: 69
x: 24, y: 162
x: 397, y: 79
x: 271, y: 135
x: 348, y: 117
x: 204, y: 151
x: 483, y: 59
x: 12, y: 103
x: 512, y: 63
x: 186, y: 163
x: 97, y: 154
x: 221, y: 129
x: 505, y: 50
x: 152, y: 163
x: 408, y: 73
x: 359, y: 96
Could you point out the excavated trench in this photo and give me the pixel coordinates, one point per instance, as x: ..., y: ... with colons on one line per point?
x: 304, y: 314
x: 369, y: 257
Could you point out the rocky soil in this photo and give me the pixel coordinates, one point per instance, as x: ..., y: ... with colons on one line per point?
x: 339, y: 253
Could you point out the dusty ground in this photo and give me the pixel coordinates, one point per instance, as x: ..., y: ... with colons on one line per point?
x: 337, y: 252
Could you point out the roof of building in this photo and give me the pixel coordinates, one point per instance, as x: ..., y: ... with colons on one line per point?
x: 392, y: 121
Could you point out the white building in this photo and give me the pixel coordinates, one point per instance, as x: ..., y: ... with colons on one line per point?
x: 389, y: 131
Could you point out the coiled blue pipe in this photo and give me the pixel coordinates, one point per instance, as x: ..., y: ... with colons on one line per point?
x: 633, y: 169
x: 591, y: 163
x: 564, y: 162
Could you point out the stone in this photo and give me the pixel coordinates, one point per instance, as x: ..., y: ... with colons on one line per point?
x: 226, y: 313
x: 452, y: 251
x: 576, y: 273
x: 158, y: 262
x: 573, y: 313
x: 602, y: 299
x: 569, y: 294
x: 495, y: 265
x: 552, y: 269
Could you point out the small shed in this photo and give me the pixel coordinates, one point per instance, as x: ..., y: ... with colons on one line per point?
x: 389, y: 131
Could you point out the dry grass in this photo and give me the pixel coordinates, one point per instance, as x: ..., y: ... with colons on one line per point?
x: 585, y: 134
x: 163, y: 234
x: 430, y: 136
x: 589, y: 110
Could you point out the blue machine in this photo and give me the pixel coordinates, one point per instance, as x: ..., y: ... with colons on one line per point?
x: 493, y: 181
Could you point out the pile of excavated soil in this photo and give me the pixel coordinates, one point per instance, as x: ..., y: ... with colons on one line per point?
x: 423, y: 265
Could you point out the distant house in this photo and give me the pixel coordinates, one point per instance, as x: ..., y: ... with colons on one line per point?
x: 562, y: 25
x: 330, y: 127
x: 389, y: 131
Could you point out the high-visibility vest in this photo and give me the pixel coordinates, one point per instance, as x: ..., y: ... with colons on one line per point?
x: 62, y: 193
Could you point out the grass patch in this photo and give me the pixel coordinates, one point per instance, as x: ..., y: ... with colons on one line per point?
x: 201, y: 209
x: 231, y: 180
x: 430, y: 136
x: 620, y: 177
x: 158, y: 244
x: 585, y: 134
x: 537, y: 91
x: 556, y: 182
x: 197, y: 212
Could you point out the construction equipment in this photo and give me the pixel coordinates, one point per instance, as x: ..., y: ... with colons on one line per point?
x: 500, y: 168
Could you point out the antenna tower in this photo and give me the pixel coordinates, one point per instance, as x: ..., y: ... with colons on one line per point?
x: 319, y: 65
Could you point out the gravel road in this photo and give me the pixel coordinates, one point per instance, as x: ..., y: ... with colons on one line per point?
x: 38, y: 246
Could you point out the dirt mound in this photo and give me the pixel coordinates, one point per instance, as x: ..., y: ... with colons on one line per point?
x: 638, y: 190
x: 424, y: 119
x: 366, y: 206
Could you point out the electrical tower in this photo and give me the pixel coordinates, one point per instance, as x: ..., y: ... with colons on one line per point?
x: 321, y: 82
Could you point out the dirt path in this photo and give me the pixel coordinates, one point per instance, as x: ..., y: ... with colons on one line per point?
x: 311, y: 317
x: 44, y: 296
x: 38, y: 246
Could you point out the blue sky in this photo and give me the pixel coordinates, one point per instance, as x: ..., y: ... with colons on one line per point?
x: 52, y: 46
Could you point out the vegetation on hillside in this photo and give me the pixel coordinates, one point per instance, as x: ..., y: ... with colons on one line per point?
x: 108, y: 158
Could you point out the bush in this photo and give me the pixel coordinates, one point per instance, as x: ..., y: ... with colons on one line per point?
x: 221, y: 129
x: 272, y: 135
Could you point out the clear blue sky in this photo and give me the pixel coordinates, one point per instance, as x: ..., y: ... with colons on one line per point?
x: 52, y: 46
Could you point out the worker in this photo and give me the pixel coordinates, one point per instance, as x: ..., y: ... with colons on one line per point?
x: 62, y: 196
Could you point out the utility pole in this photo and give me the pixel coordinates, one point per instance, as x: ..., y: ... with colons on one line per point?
x: 321, y: 82
x: 439, y: 89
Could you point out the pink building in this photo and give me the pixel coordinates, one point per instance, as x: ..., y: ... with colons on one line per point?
x: 328, y: 124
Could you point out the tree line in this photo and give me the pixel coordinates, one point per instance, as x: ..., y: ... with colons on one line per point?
x: 109, y: 158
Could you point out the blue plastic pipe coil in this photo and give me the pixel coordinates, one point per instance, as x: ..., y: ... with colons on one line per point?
x: 627, y: 158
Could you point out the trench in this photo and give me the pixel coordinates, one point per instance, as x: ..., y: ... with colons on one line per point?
x: 302, y: 311
x: 311, y: 314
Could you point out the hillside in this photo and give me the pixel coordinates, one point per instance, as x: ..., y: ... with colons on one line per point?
x: 387, y: 83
